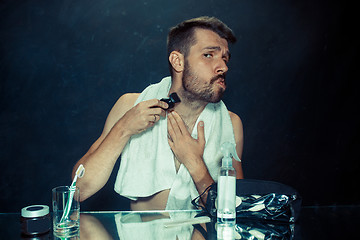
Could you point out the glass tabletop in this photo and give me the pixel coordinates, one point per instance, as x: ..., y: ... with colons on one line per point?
x: 334, y: 222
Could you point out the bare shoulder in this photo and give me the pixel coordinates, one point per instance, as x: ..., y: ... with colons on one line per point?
x: 122, y: 105
x: 239, y: 138
x: 126, y: 101
x: 237, y: 126
x: 236, y: 120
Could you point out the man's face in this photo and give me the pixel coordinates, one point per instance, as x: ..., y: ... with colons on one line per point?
x: 205, y: 67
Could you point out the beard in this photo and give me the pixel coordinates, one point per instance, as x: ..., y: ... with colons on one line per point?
x: 195, y: 90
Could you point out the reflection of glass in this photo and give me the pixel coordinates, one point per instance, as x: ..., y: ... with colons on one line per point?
x: 69, y: 226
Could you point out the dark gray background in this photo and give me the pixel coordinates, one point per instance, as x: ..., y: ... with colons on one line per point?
x: 64, y: 63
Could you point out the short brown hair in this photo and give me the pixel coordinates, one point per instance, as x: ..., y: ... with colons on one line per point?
x: 182, y: 37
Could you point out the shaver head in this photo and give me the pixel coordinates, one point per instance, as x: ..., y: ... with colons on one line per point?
x: 171, y: 100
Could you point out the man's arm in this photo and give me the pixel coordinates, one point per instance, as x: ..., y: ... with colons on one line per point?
x: 123, y: 121
x: 189, y: 151
x: 239, y: 140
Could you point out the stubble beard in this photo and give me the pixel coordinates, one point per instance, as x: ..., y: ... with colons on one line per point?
x: 195, y: 92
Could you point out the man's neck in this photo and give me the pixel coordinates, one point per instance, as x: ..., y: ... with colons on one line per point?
x: 189, y: 110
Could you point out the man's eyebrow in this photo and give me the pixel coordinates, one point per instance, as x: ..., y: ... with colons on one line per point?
x: 217, y: 48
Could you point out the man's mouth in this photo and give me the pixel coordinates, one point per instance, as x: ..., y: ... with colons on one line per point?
x: 220, y: 80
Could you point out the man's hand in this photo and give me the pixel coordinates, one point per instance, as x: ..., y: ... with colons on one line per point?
x: 143, y: 115
x: 188, y: 151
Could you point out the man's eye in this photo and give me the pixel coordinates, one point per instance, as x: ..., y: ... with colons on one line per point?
x: 207, y: 55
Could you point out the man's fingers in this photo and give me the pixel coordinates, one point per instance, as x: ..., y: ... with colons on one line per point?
x: 156, y: 103
x: 152, y: 107
x: 157, y: 107
x: 153, y: 118
x: 179, y: 123
x: 173, y: 128
x: 201, y: 132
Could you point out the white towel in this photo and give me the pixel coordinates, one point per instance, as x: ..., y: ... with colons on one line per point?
x: 147, y: 162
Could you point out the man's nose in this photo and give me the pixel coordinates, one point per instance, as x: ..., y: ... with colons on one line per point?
x: 222, y: 67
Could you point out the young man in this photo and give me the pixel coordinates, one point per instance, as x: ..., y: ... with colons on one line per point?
x: 169, y: 157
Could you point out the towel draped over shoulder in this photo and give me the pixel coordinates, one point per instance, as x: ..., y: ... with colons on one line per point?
x: 147, y: 163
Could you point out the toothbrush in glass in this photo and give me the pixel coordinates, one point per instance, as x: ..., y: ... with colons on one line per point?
x: 79, y: 174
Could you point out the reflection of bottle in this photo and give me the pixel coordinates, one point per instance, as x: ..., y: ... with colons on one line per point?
x: 225, y: 232
x: 226, y: 213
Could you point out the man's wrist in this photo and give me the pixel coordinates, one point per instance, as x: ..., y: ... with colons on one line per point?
x: 121, y: 130
x: 196, y: 167
x: 201, y: 176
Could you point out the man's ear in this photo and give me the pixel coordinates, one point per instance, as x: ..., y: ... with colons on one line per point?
x: 176, y: 60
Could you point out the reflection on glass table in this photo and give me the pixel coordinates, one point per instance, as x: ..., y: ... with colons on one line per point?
x: 142, y: 225
x: 175, y: 225
x: 334, y: 222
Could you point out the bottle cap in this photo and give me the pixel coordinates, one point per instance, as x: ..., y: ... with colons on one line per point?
x: 35, y: 211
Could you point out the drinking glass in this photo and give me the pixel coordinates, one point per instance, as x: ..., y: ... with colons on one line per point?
x: 66, y: 211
